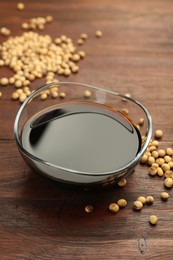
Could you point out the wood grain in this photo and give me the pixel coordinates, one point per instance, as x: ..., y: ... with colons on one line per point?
x: 42, y: 219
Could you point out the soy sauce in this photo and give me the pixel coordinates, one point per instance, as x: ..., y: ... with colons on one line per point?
x: 82, y: 136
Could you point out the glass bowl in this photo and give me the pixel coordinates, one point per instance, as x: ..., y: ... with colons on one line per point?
x: 75, y: 154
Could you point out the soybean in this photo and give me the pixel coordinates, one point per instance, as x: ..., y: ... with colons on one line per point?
x: 141, y: 121
x: 164, y: 195
x: 98, y: 34
x: 87, y: 93
x: 152, y: 171
x: 121, y: 203
x: 114, y: 208
x: 168, y: 182
x: 159, y: 171
x: 153, y: 219
x: 4, y: 81
x: 158, y: 134
x: 137, y: 205
x: 20, y: 6
x: 122, y: 182
x: 149, y: 200
x: 62, y: 94
x: 89, y: 208
x: 142, y: 199
x: 144, y: 159
x: 169, y: 151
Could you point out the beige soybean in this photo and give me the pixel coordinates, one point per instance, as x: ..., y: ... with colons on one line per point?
x: 82, y: 54
x: 22, y: 97
x: 80, y: 41
x: 63, y: 38
x: 152, y: 148
x: 155, y: 143
x: 15, y: 95
x: 4, y: 81
x: 142, y: 199
x: 28, y: 93
x: 159, y: 171
x: 160, y: 161
x: 164, y: 195
x: 144, y: 159
x: 49, y: 18
x: 149, y: 200
x: 20, y: 6
x: 143, y: 138
x: 151, y: 160
x: 87, y: 93
x: 89, y: 209
x: 43, y: 96
x: 11, y: 80
x: 67, y: 72
x: 53, y: 88
x: 84, y: 36
x: 155, y: 154
x: 5, y: 31
x: 148, y: 153
x: 161, y: 153
x: 18, y: 83
x: 25, y: 89
x: 122, y: 182
x: 168, y: 182
x: 25, y: 26
x: 167, y: 158
x: 152, y: 171
x: 62, y: 95
x: 113, y: 207
x: 54, y: 94
x: 75, y: 69
x: 153, y: 219
x: 141, y: 121
x: 158, y: 134
x: 168, y: 174
x: 98, y: 34
x: 1, y: 63
x: 169, y: 151
x: 165, y: 167
x: 19, y: 91
x: 137, y: 205
x: 170, y: 164
x: 127, y: 95
x: 125, y: 111
x: 121, y: 203
x: 155, y: 165
x: 75, y: 57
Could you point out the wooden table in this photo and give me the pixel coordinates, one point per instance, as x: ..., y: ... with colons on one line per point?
x: 41, y: 219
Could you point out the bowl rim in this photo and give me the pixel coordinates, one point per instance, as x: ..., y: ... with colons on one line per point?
x: 41, y: 88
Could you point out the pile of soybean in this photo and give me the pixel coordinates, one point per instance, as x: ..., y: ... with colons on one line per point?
x: 33, y: 56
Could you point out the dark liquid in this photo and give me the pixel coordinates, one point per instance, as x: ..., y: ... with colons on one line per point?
x: 82, y: 136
